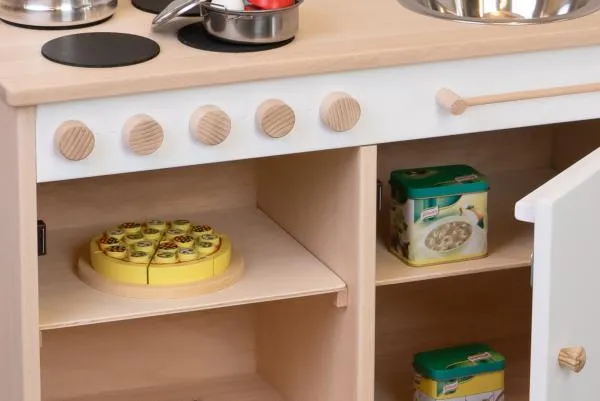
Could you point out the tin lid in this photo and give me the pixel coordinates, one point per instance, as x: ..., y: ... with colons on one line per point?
x: 428, y: 182
x: 174, y: 9
x: 461, y: 361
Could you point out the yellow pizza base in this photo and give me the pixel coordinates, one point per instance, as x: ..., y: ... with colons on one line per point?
x: 154, y: 274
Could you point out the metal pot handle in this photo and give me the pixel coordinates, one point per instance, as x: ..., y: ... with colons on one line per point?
x: 175, y: 9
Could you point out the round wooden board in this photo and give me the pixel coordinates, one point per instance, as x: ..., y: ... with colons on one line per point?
x: 88, y: 275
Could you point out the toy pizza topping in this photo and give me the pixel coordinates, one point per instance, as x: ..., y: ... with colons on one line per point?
x: 184, y: 239
x: 109, y: 241
x: 117, y: 248
x: 202, y: 228
x: 129, y: 225
x: 167, y: 246
x: 186, y: 251
x: 174, y: 232
x: 117, y: 233
x: 203, y: 244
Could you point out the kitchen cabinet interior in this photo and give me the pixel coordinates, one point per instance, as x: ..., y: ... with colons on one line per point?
x: 459, y: 307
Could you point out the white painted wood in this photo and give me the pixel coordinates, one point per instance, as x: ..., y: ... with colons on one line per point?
x: 276, y: 267
x: 566, y: 277
x: 397, y: 103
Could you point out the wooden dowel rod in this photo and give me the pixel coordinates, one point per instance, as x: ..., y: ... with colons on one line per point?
x: 456, y: 104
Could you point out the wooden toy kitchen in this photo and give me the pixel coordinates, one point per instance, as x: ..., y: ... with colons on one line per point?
x: 220, y: 218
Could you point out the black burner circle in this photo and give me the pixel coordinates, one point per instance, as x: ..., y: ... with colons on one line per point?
x: 156, y: 6
x: 100, y: 49
x: 57, y: 28
x: 194, y: 35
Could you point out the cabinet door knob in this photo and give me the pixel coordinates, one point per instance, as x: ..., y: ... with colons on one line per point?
x: 340, y: 111
x: 142, y: 134
x: 210, y: 125
x: 572, y: 358
x: 275, y: 118
x: 74, y: 140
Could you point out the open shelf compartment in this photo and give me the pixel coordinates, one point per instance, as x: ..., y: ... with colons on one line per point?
x: 515, y: 161
x: 287, y: 330
x: 212, y: 355
x: 224, y: 196
x: 493, y: 308
x: 460, y: 307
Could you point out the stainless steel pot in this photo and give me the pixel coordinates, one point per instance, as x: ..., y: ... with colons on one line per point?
x: 56, y: 13
x: 247, y: 27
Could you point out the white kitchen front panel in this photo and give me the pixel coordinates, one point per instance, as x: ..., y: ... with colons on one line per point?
x: 397, y: 103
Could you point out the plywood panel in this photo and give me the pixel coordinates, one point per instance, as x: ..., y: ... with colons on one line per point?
x: 573, y: 141
x: 232, y: 388
x: 275, y: 267
x: 19, y: 335
x: 150, y: 194
x: 493, y: 308
x: 145, y: 353
x: 326, y: 201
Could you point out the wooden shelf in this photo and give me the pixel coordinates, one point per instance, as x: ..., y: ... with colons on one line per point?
x: 510, y: 241
x: 276, y: 267
x: 239, y: 388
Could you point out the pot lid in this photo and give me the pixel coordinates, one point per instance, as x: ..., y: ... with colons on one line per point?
x: 175, y: 9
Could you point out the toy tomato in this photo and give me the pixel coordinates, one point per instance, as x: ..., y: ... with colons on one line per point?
x: 271, y: 4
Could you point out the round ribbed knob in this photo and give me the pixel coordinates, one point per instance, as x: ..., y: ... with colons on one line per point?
x: 74, y: 140
x: 210, y: 125
x: 275, y: 118
x: 142, y: 134
x: 340, y: 111
x: 572, y: 358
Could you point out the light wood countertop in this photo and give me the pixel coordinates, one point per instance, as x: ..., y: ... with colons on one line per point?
x: 335, y: 35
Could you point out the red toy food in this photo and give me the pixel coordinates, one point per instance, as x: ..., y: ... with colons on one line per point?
x: 271, y: 4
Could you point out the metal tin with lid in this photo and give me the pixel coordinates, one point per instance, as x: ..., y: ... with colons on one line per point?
x: 438, y: 214
x: 465, y: 372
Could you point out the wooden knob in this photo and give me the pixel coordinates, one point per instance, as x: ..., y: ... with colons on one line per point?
x: 451, y: 101
x: 74, y: 140
x: 275, y: 118
x: 340, y: 112
x: 142, y: 134
x: 210, y: 125
x: 573, y: 358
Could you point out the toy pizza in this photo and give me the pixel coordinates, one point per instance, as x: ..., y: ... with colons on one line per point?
x: 160, y: 253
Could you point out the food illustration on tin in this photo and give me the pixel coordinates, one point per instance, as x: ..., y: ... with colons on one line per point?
x: 448, y: 236
x: 160, y: 253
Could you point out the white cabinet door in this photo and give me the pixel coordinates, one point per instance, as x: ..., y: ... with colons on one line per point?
x: 566, y: 280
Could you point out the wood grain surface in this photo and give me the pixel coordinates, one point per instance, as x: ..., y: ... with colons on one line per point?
x: 328, y: 41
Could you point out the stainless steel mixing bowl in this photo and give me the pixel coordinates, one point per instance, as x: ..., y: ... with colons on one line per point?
x: 503, y: 11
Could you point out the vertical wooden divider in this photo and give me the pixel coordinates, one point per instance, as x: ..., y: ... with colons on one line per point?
x: 309, y: 349
x: 19, y: 325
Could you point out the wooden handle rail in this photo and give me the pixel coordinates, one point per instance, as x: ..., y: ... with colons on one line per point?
x: 457, y: 105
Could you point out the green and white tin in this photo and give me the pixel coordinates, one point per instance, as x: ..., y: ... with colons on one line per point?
x: 438, y: 214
